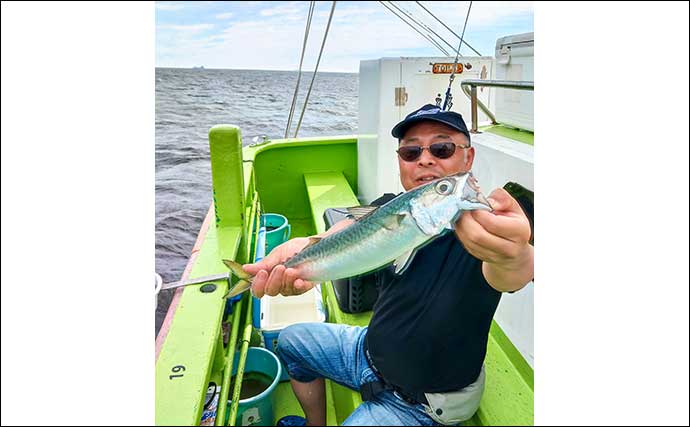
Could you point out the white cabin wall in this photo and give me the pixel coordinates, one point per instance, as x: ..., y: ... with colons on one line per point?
x: 497, y: 162
x: 376, y: 159
x: 378, y: 112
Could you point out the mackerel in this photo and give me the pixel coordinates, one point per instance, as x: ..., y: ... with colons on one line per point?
x: 381, y: 235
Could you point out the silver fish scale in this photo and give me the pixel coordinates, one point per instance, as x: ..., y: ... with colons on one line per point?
x: 335, y: 242
x: 354, y: 239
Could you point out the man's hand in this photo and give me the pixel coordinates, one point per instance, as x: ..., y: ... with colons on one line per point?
x: 500, y: 239
x: 270, y: 275
x: 272, y: 278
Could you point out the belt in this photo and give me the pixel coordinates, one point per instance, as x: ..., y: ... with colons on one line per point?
x: 371, y: 389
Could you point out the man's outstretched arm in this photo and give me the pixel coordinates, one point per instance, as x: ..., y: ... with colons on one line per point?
x: 501, y: 240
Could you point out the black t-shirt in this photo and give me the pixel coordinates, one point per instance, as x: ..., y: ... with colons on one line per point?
x: 430, y: 325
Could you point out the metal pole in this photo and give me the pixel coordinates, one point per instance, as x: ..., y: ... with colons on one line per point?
x: 475, y: 118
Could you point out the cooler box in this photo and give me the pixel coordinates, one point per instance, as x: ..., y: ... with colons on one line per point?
x: 355, y: 294
x: 279, y: 312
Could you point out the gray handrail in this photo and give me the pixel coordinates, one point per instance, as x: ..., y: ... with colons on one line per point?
x: 474, y: 101
x: 484, y: 108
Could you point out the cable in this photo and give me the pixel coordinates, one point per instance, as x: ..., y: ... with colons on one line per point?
x: 299, y: 76
x: 423, y: 35
x: 316, y: 69
x: 448, y: 102
x: 446, y: 26
x: 421, y: 24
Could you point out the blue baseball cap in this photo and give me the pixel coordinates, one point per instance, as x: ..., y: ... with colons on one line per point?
x: 434, y: 113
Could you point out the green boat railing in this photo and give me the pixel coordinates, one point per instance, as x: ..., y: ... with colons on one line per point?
x: 227, y: 373
x: 192, y: 353
x: 232, y: 343
x: 246, y: 336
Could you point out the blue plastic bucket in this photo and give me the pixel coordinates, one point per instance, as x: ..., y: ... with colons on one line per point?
x: 261, y: 367
x: 277, y: 230
x: 270, y: 341
x: 260, y: 253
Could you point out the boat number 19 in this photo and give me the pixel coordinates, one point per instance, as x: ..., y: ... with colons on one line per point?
x: 176, y: 369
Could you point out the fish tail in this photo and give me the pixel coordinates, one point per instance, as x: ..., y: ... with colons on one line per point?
x: 240, y: 287
x: 243, y: 284
x: 237, y: 269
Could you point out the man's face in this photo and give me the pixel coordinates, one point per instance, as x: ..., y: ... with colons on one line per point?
x: 427, y: 167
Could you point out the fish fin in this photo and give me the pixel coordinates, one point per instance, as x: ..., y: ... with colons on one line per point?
x: 404, y: 261
x: 236, y: 269
x: 451, y: 224
x: 359, y: 212
x: 239, y: 287
x: 393, y: 222
x: 312, y: 241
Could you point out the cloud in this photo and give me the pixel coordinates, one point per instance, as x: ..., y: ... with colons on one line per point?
x: 193, y: 28
x: 226, y: 15
x: 168, y: 6
x: 482, y: 13
x: 275, y: 43
x: 284, y: 10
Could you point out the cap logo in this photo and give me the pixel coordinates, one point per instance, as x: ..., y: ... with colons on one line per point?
x: 424, y: 112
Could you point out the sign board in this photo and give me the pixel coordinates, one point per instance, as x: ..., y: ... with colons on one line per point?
x: 446, y: 68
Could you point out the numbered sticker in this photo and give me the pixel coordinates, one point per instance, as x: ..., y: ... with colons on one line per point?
x: 176, y: 371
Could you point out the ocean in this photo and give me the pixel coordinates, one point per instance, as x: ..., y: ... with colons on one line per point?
x: 191, y: 101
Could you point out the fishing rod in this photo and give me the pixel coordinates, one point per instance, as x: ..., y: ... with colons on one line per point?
x: 448, y: 102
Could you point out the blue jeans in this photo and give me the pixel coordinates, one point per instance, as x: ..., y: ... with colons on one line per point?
x: 336, y: 352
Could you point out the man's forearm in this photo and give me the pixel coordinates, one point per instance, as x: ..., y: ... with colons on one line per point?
x: 512, y: 275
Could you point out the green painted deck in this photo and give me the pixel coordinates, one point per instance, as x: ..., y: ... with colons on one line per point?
x: 523, y: 136
x: 298, y: 179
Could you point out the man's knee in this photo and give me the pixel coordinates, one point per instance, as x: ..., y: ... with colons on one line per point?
x: 290, y: 340
x: 294, y: 351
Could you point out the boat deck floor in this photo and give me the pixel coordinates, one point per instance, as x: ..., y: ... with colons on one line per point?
x: 285, y: 402
x: 526, y: 137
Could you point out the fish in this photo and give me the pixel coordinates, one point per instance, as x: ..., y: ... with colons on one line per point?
x: 391, y: 233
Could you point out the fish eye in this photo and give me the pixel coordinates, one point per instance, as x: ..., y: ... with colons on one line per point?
x: 444, y: 187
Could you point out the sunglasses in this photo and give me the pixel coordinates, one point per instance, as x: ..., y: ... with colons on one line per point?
x: 441, y: 150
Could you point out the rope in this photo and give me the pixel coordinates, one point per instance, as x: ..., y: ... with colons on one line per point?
x: 301, y: 59
x: 423, y: 35
x: 316, y: 69
x: 446, y: 26
x: 448, y: 102
x: 421, y: 24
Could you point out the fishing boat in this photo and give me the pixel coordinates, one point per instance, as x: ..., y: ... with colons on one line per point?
x: 208, y: 342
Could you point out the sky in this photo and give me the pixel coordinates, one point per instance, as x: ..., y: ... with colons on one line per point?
x: 269, y: 35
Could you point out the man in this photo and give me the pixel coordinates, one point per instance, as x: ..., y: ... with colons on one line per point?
x: 430, y: 325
